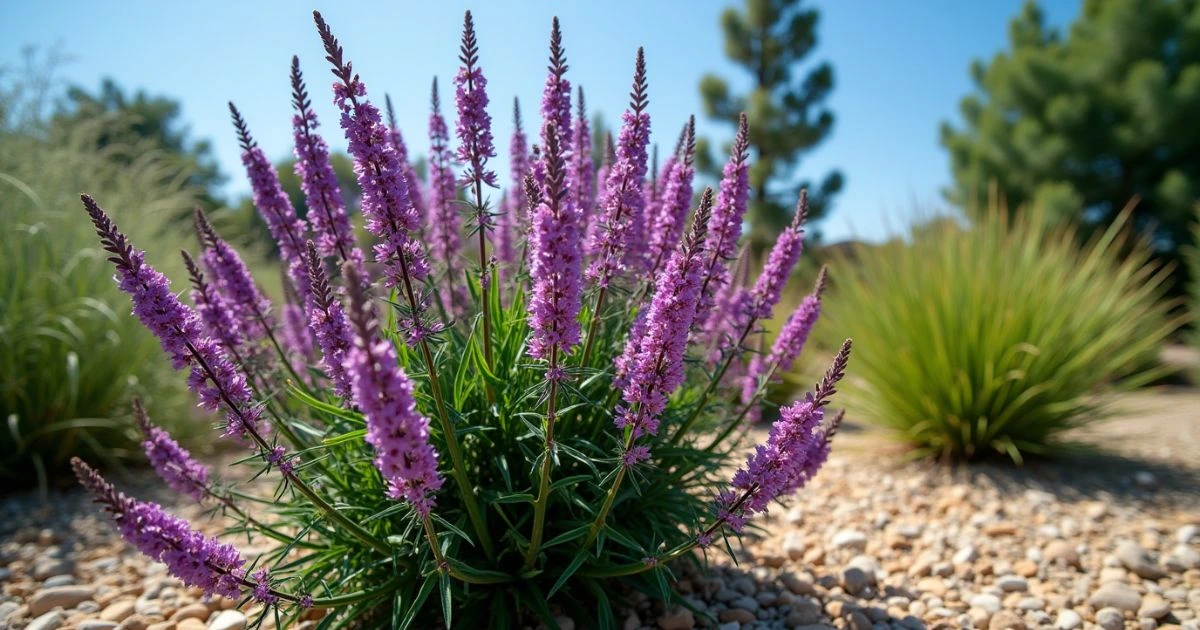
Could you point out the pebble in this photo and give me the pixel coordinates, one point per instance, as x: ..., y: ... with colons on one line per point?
x: 1116, y: 595
x: 987, y: 602
x: 850, y: 539
x: 854, y: 580
x: 61, y: 596
x: 47, y: 621
x: 97, y: 624
x: 1133, y: 557
x: 118, y: 611
x: 190, y: 624
x: 228, y: 620
x: 1061, y: 550
x: 680, y: 619
x: 1012, y: 584
x: 1154, y: 607
x: 1006, y: 620
x: 965, y: 555
x: 740, y: 615
x: 1068, y: 620
x: 1110, y: 619
x: 794, y: 546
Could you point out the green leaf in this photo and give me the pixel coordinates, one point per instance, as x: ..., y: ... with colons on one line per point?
x: 447, y: 604
x: 431, y: 581
x: 350, y: 436
x: 568, y: 536
x: 576, y: 562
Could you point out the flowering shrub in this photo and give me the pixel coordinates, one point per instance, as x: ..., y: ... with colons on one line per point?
x: 517, y: 419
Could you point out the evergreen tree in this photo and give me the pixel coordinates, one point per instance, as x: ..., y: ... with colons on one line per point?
x: 1085, y: 122
x: 785, y: 107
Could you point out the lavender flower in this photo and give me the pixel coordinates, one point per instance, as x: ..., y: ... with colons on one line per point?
x: 410, y: 174
x: 556, y: 260
x: 513, y: 218
x: 582, y: 174
x: 606, y: 164
x: 395, y: 428
x: 173, y: 463
x: 676, y: 199
x: 657, y: 355
x: 328, y: 323
x: 728, y: 212
x: 214, y: 379
x: 623, y: 201
x: 783, y: 257
x: 385, y: 197
x: 322, y: 194
x: 235, y: 285
x: 556, y: 95
x: 794, y: 451
x: 787, y: 345
x: 205, y: 563
x: 445, y: 225
x: 218, y: 317
x: 474, y: 127
x: 273, y: 204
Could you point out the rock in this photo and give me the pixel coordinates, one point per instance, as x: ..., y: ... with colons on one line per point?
x: 118, y: 611
x: 804, y: 611
x: 65, y: 596
x: 850, y: 539
x: 732, y: 625
x: 1025, y: 568
x: 680, y: 619
x: 986, y: 601
x: 1145, y: 478
x: 228, y: 620
x: 191, y: 611
x: 7, y: 609
x: 1116, y: 595
x: 47, y: 621
x: 795, y: 584
x: 1182, y: 558
x: 794, y: 516
x: 47, y: 567
x: 1068, y: 620
x: 1062, y: 551
x: 857, y: 620
x: 1110, y: 619
x: 747, y: 602
x: 1185, y: 534
x: 965, y: 555
x: 1006, y: 620
x: 1000, y: 529
x: 564, y: 622
x: 190, y: 624
x: 97, y: 624
x: 740, y: 615
x: 1133, y: 557
x: 793, y: 545
x: 1012, y: 584
x: 854, y: 580
x: 1154, y: 607
x: 59, y: 580
x: 1031, y: 603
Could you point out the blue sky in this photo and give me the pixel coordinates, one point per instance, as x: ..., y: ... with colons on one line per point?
x: 900, y: 69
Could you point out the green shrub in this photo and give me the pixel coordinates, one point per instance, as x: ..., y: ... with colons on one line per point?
x: 1000, y: 337
x: 70, y: 356
x: 1192, y: 257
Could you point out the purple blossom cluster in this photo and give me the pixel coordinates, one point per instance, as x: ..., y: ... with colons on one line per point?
x: 213, y: 377
x: 250, y: 309
x: 795, y: 449
x: 515, y: 209
x: 328, y: 323
x: 582, y: 174
x: 474, y: 126
x: 173, y: 463
x: 556, y: 94
x: 216, y: 315
x: 444, y: 224
x: 788, y: 344
x: 396, y: 138
x: 556, y: 260
x: 728, y: 213
x: 395, y: 428
x: 676, y: 200
x: 322, y: 194
x: 655, y: 357
x: 769, y: 286
x: 623, y: 201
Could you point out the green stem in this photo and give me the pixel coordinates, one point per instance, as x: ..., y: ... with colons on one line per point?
x: 591, y: 332
x: 712, y: 386
x: 539, y: 509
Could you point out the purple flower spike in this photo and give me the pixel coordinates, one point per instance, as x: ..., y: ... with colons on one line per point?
x: 728, y: 212
x: 556, y: 95
x: 232, y: 279
x: 623, y: 202
x: 445, y: 225
x: 213, y: 378
x: 783, y: 257
x: 474, y: 127
x: 676, y: 199
x: 273, y: 204
x: 794, y: 451
x: 395, y: 428
x: 410, y: 173
x: 327, y: 208
x: 511, y: 223
x: 555, y: 262
x: 328, y: 323
x: 173, y: 463
x: 218, y: 317
x: 205, y: 563
x: 583, y: 170
x: 595, y: 224
x: 788, y: 344
x: 656, y: 356
x: 386, y: 203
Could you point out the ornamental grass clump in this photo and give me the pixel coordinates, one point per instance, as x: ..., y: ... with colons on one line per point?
x: 520, y: 408
x: 997, y: 338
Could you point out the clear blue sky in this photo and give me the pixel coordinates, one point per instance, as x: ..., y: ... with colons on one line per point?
x: 900, y: 68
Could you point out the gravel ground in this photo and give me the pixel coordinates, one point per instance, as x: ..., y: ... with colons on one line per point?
x: 1109, y: 540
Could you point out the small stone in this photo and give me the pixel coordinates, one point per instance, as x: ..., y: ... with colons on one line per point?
x: 1185, y: 534
x: 1110, y: 619
x: 850, y: 539
x: 965, y: 555
x: 47, y: 567
x: 1133, y: 557
x: 857, y: 620
x: 1012, y: 584
x: 1145, y: 478
x: 1061, y: 550
x: 1182, y: 558
x: 564, y: 622
x: 804, y: 611
x: 228, y: 620
x: 1000, y: 529
x: 47, y: 599
x: 1068, y: 620
x: 796, y: 584
x: 191, y: 611
x: 854, y: 580
x: 732, y: 625
x: 59, y: 580
x: 794, y: 516
x: 1154, y: 607
x: 190, y: 624
x: 740, y: 615
x: 7, y: 609
x: 48, y: 621
x: 1031, y: 603
x: 680, y: 619
x: 747, y: 602
x: 118, y: 611
x: 97, y: 624
x: 1006, y: 620
x: 773, y: 560
x: 1025, y: 568
x: 986, y: 601
x: 1116, y: 595
x: 793, y: 545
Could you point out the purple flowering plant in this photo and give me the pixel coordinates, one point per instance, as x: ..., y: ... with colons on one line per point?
x: 543, y: 422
